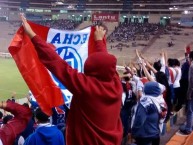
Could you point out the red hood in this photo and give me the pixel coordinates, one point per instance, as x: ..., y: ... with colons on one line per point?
x: 101, y: 65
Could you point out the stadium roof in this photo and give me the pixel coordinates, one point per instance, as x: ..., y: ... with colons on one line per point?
x: 51, y: 3
x: 93, y: 5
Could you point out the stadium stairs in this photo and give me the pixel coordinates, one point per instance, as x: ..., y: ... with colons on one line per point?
x: 171, y: 128
x: 111, y: 27
x: 84, y: 25
x: 170, y: 134
x: 177, y: 138
x: 150, y: 43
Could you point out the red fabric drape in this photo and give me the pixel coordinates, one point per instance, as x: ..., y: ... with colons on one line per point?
x: 32, y: 70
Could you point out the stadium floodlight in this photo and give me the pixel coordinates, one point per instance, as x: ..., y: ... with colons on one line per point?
x: 59, y: 3
x: 70, y: 7
x: 186, y: 12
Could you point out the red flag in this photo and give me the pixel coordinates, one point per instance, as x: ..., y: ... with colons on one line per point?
x: 34, y: 73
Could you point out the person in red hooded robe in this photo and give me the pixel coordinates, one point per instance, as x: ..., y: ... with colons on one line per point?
x: 10, y: 130
x: 94, y: 116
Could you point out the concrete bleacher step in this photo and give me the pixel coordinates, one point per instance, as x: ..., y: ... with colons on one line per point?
x: 84, y: 25
x: 169, y: 134
x: 179, y: 139
x: 174, y: 120
x: 171, y: 131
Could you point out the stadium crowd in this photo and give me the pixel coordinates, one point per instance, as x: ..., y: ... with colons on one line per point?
x: 126, y: 32
x: 60, y: 24
x: 120, y: 109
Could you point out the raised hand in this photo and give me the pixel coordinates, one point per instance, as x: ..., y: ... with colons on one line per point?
x: 26, y: 26
x: 99, y: 33
x: 137, y: 53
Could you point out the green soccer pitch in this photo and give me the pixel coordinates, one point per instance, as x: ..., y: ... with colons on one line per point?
x: 11, y: 81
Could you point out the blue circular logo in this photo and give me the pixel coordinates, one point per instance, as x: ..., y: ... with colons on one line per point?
x: 71, y: 56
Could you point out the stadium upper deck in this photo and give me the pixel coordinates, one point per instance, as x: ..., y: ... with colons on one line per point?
x: 82, y: 10
x: 87, y: 3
